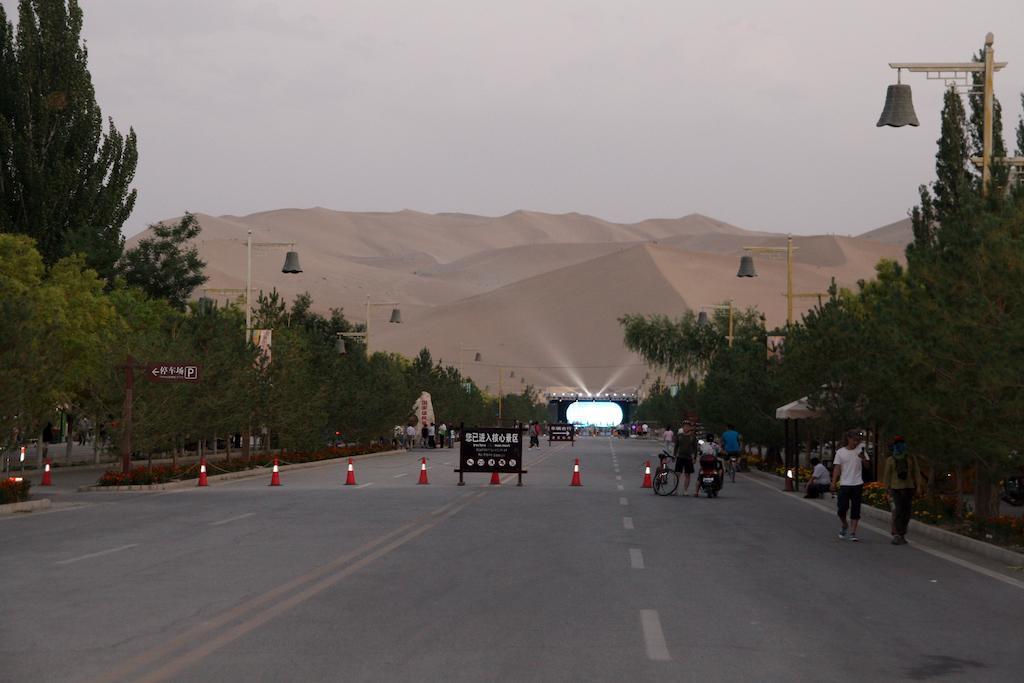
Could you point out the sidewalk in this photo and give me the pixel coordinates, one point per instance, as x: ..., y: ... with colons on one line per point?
x: 882, y: 518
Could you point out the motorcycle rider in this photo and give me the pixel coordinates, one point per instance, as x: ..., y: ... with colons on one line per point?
x: 710, y: 460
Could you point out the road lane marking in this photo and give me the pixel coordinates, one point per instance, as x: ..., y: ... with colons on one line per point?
x: 636, y: 558
x: 232, y: 519
x: 400, y: 475
x: 363, y: 486
x: 618, y: 477
x: 966, y: 564
x: 623, y: 501
x: 654, y: 637
x: 102, y: 552
x: 627, y: 523
x: 242, y: 610
x: 620, y: 487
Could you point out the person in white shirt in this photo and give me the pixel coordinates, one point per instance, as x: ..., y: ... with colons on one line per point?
x: 820, y: 480
x: 847, y: 470
x: 668, y: 439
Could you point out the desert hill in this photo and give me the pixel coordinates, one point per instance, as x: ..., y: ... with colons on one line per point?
x: 901, y: 232
x: 539, y: 294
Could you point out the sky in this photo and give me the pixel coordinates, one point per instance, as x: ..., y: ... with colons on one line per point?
x: 761, y: 114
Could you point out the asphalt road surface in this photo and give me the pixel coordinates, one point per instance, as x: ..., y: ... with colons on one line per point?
x: 389, y: 580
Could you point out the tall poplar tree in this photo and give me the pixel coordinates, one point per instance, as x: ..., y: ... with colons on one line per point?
x: 64, y: 181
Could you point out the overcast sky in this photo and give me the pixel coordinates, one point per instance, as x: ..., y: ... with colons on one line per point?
x: 757, y: 113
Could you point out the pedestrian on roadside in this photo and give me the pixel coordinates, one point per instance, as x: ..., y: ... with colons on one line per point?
x: 685, y: 450
x: 902, y: 477
x: 820, y: 480
x: 423, y: 435
x: 442, y: 435
x: 668, y: 438
x: 431, y: 436
x: 410, y: 437
x: 847, y: 470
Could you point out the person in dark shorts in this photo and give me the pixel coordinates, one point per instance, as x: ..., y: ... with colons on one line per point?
x: 685, y: 448
x: 847, y: 469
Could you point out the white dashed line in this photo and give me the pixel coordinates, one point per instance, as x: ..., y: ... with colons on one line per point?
x: 627, y: 523
x: 654, y: 637
x: 619, y: 486
x: 618, y: 477
x: 102, y: 552
x: 400, y: 475
x: 232, y: 519
x: 363, y: 486
x: 623, y: 501
x: 636, y: 558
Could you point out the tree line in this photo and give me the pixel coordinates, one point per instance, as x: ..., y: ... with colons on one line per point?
x: 75, y: 304
x: 932, y: 350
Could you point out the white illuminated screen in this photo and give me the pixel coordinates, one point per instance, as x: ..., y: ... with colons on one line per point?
x: 594, y: 413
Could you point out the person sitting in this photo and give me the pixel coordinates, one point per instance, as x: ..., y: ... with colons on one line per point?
x: 820, y: 480
x: 710, y: 460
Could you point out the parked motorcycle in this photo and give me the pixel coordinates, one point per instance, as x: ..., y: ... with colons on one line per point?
x: 1013, y: 490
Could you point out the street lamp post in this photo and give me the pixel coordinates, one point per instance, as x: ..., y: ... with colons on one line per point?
x: 476, y: 359
x: 702, y: 319
x: 899, y: 107
x: 747, y: 270
x: 291, y: 266
x: 396, y: 317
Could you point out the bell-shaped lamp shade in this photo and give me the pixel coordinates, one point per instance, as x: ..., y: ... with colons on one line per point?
x: 746, y: 267
x: 702, y: 318
x: 291, y: 263
x: 396, y: 315
x: 339, y: 346
x: 477, y: 358
x: 899, y: 107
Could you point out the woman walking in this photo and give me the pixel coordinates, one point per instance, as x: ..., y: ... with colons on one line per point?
x: 902, y: 478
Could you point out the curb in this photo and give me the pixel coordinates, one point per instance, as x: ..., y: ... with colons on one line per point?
x: 988, y: 550
x: 243, y: 474
x: 25, y: 506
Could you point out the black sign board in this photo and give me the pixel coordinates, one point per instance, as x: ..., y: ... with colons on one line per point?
x: 561, y: 432
x: 491, y: 449
x: 172, y: 372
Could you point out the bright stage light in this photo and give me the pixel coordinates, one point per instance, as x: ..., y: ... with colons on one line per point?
x: 594, y: 413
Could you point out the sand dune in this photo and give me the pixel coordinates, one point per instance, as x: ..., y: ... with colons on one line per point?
x: 901, y: 232
x: 539, y: 294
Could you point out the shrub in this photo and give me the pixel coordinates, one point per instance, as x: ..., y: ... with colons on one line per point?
x: 14, y: 491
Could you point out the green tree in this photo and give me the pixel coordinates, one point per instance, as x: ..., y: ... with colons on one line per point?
x: 63, y: 180
x: 167, y: 265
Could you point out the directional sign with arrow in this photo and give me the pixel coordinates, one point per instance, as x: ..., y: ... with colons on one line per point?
x: 172, y: 372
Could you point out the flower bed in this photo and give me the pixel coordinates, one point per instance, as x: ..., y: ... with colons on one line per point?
x: 14, y: 491
x: 1004, y: 530
x: 162, y: 474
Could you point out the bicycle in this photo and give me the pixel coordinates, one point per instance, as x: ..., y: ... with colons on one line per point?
x: 665, y: 479
x: 730, y: 468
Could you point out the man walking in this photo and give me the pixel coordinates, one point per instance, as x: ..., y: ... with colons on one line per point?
x: 902, y: 478
x: 847, y: 470
x: 686, y: 448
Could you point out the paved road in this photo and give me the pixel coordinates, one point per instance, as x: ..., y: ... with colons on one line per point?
x: 394, y: 581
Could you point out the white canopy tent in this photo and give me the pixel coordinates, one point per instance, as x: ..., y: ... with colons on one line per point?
x: 799, y: 409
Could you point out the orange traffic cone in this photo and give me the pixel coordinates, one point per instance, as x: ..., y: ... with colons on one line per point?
x: 47, y: 480
x: 350, y: 480
x: 202, y: 472
x: 647, y: 475
x: 423, y: 472
x: 495, y: 480
x: 275, y: 478
x: 576, y: 474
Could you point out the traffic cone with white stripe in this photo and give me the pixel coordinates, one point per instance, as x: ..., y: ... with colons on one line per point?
x: 576, y: 474
x: 202, y: 472
x: 423, y: 472
x: 47, y: 480
x: 275, y: 478
x: 647, y: 475
x: 495, y: 479
x: 350, y: 480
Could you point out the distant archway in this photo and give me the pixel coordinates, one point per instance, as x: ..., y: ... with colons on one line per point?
x: 594, y: 413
